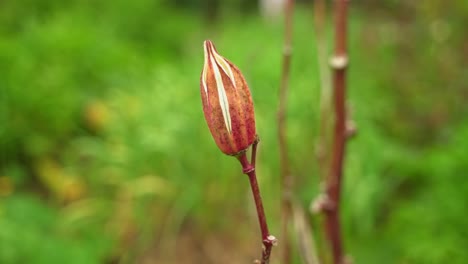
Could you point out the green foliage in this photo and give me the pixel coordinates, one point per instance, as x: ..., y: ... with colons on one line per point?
x: 104, y: 153
x: 32, y: 232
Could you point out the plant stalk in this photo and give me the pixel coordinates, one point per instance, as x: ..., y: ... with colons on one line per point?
x: 323, y: 141
x: 339, y: 63
x: 268, y: 240
x: 286, y: 178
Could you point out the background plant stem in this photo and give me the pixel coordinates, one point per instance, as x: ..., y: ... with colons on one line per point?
x: 286, y: 178
x: 334, y: 181
x: 323, y: 141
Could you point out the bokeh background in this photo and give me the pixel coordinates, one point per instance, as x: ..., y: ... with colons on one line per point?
x: 105, y: 156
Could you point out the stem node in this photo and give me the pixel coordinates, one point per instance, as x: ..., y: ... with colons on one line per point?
x: 339, y: 62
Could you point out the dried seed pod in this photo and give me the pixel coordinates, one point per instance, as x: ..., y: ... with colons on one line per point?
x: 227, y: 103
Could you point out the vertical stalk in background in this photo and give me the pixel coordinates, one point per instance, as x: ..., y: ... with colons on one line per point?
x: 305, y: 239
x: 338, y: 62
x: 286, y: 178
x: 323, y: 141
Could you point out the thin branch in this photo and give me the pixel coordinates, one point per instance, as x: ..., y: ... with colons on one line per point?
x: 286, y: 179
x: 253, y: 158
x: 323, y: 141
x: 307, y: 246
x: 268, y: 240
x: 339, y: 63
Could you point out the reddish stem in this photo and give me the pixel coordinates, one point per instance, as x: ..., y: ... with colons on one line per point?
x: 339, y: 64
x: 267, y: 239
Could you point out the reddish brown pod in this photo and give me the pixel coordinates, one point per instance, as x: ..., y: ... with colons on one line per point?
x: 227, y: 103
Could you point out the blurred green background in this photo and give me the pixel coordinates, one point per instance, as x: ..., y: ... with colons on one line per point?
x: 105, y: 156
